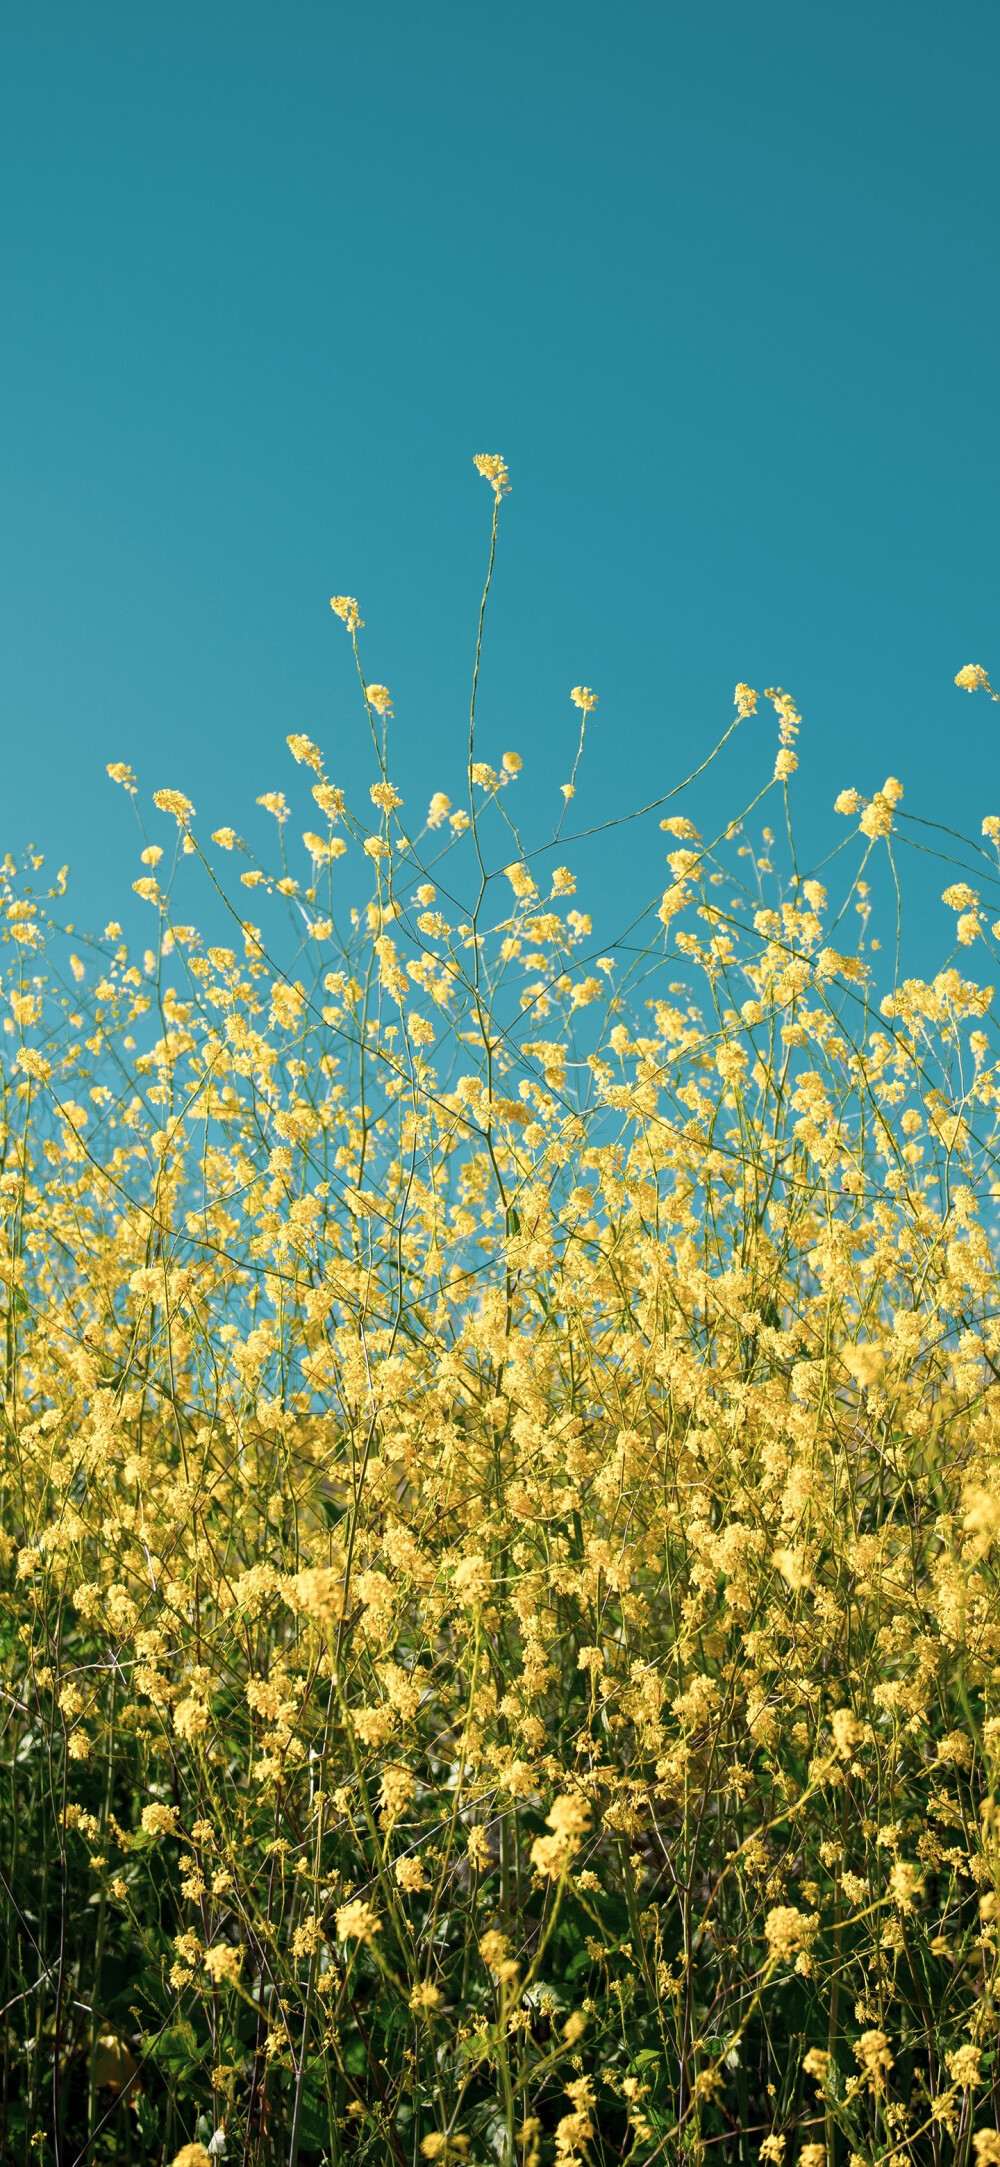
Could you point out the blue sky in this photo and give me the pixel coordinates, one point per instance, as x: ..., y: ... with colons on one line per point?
x: 719, y: 282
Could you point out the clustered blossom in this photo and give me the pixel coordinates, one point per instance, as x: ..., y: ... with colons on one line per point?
x: 493, y: 469
x: 973, y: 678
x: 345, y: 607
x: 173, y: 801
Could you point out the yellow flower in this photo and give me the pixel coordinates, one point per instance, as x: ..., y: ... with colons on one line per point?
x: 357, y: 1921
x: 876, y: 819
x: 318, y: 1593
x: 303, y: 750
x: 411, y: 1875
x: 847, y: 1731
x: 397, y: 1789
x: 872, y: 2051
x: 159, y: 1820
x: 964, y: 2066
x: 322, y: 851
x: 569, y: 1820
x: 972, y: 678
x: 906, y: 1883
x: 380, y: 698
x: 34, y: 1063
x: 490, y: 465
x: 345, y: 607
x: 789, y: 1931
x: 190, y: 1719
x: 174, y: 801
x: 308, y: 1937
x: 471, y: 1580
x: 582, y: 696
x: 521, y: 882
x: 223, y: 1963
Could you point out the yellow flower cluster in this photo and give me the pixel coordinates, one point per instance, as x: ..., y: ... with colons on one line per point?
x: 501, y: 1527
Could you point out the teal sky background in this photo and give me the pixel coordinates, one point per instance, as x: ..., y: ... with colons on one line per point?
x: 719, y: 282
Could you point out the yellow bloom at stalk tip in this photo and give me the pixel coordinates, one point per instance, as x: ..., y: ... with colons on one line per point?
x: 159, y: 1820
x: 329, y: 799
x: 789, y: 1931
x: 494, y: 1946
x: 582, y: 697
x: 493, y: 469
x: 380, y: 699
x: 873, y: 2052
x: 965, y: 2065
x: 345, y: 607
x: 357, y: 1921
x: 174, y: 801
x: 973, y: 678
x: 303, y: 750
x: 411, y: 1875
x: 223, y: 1963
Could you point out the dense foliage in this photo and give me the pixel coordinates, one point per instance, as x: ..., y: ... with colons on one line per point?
x: 501, y: 1460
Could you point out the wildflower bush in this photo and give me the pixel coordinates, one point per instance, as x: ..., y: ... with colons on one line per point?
x: 501, y: 1640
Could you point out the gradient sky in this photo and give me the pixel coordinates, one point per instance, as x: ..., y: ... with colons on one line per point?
x: 721, y: 283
